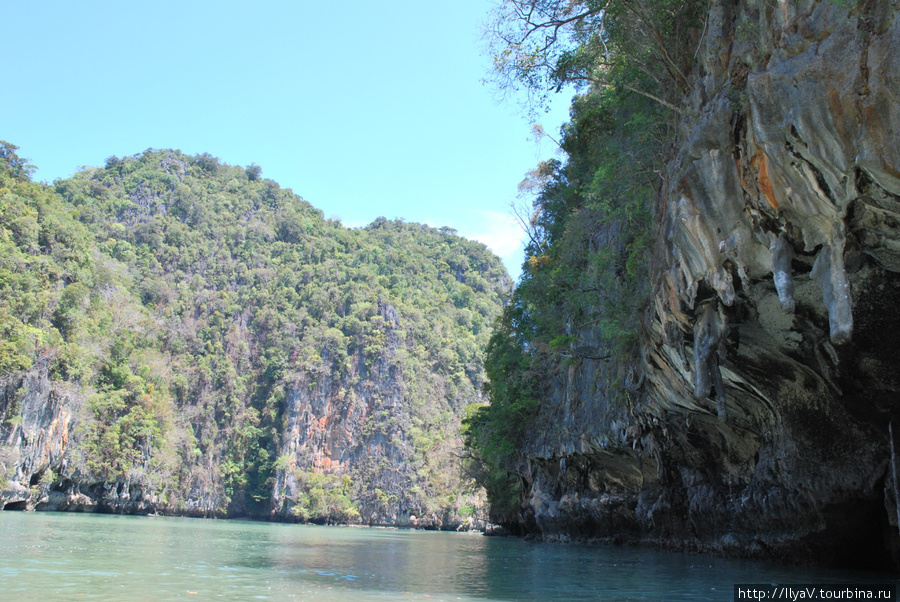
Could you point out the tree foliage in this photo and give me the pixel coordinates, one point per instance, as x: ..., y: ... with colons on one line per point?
x: 12, y: 165
x: 324, y: 498
x: 496, y: 432
x: 65, y: 305
x: 584, y: 281
x: 187, y: 298
x: 539, y: 46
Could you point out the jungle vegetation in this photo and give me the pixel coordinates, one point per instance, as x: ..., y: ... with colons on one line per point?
x: 590, y: 225
x: 183, y: 299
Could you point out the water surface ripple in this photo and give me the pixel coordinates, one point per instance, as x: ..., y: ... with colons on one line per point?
x: 57, y: 556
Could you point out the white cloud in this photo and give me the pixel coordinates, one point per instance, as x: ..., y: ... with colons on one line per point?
x: 501, y: 233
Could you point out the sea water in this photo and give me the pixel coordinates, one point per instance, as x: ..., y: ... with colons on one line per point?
x: 58, y: 556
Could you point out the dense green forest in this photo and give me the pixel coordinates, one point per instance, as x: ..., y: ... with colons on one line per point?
x: 590, y: 230
x: 195, y: 312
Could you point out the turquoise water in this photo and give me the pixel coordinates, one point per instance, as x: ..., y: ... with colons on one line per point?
x: 57, y: 556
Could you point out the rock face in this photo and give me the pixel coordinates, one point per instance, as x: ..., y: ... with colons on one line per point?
x: 358, y: 427
x: 768, y: 385
x: 37, y: 440
x: 40, y: 420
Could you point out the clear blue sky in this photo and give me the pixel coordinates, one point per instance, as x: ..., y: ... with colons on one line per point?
x: 363, y: 108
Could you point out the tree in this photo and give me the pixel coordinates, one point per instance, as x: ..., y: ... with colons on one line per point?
x: 544, y: 45
x: 11, y: 163
x: 253, y: 172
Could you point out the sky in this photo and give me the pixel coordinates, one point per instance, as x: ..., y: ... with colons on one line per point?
x: 364, y: 109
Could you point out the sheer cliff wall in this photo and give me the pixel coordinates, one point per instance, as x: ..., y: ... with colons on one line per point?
x: 761, y: 413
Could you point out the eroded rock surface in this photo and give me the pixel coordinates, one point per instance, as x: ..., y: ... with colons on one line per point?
x: 759, y: 423
x: 39, y: 421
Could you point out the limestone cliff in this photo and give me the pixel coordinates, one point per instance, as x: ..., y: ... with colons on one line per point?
x: 181, y: 336
x: 767, y: 389
x: 41, y: 430
x: 359, y: 426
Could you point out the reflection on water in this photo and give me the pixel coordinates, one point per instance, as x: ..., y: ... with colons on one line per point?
x: 63, y: 556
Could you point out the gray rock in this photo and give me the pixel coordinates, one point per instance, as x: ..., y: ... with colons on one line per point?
x: 784, y: 228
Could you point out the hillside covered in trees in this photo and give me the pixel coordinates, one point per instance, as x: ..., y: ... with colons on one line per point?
x: 179, y: 335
